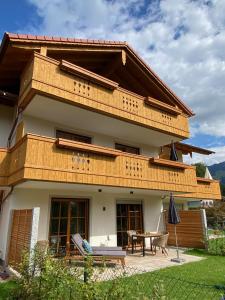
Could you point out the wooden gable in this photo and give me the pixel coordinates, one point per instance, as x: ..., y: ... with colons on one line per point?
x: 116, y: 61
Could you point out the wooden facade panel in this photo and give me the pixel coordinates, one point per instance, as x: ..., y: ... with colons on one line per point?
x: 20, y: 235
x: 40, y: 158
x: 19, y: 131
x: 4, y: 165
x: 204, y: 191
x: 190, y: 231
x: 46, y: 161
x: 47, y: 78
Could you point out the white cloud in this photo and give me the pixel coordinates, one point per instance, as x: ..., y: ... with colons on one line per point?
x: 193, y: 64
x: 207, y: 159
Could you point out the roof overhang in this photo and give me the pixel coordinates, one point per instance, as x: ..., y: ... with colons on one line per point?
x: 189, y: 149
x: 19, y: 47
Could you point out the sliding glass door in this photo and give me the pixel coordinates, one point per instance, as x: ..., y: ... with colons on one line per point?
x: 129, y: 217
x: 68, y: 216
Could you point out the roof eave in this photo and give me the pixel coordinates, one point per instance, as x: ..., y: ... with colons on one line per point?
x: 45, y: 39
x: 189, y: 112
x: 4, y: 44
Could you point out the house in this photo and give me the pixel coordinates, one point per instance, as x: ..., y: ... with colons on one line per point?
x: 84, y: 125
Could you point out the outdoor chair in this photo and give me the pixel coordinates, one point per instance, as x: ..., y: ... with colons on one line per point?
x: 161, y: 242
x: 136, y: 240
x: 99, y: 253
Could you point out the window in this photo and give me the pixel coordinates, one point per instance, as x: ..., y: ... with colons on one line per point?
x: 73, y: 136
x: 128, y: 149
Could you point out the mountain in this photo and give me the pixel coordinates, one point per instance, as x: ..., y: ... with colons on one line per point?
x: 218, y: 171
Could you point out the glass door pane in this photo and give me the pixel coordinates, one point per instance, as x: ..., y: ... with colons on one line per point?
x: 78, y: 219
x: 58, y: 226
x: 68, y: 216
x: 129, y: 217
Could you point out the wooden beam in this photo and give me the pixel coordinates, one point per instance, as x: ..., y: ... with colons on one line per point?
x: 124, y: 57
x: 156, y: 86
x: 70, y: 49
x: 114, y: 64
x: 88, y: 75
x: 131, y: 83
x: 43, y: 50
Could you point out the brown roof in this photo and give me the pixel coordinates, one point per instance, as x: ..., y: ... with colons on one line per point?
x: 12, y: 37
x: 45, y: 38
x: 186, y: 149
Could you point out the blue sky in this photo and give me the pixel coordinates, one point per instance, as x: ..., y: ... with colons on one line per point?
x: 16, y: 15
x: 183, y: 41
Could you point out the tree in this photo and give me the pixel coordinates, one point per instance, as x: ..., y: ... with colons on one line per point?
x: 222, y: 186
x: 200, y: 169
x: 216, y: 214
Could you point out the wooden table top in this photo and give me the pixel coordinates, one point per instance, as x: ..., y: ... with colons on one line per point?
x: 150, y: 234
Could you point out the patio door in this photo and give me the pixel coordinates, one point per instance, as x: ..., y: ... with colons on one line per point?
x: 68, y: 216
x: 129, y: 217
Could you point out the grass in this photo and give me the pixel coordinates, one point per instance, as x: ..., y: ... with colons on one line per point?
x: 196, y: 280
x: 6, y: 288
x: 210, y: 270
x: 178, y: 282
x: 216, y: 231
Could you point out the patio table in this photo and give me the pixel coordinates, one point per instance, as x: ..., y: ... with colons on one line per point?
x: 143, y: 236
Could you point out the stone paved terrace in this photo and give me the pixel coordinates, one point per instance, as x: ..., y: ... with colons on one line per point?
x: 136, y: 264
x: 153, y: 262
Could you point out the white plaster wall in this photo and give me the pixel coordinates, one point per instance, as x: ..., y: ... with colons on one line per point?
x: 45, y: 128
x: 152, y: 214
x: 6, y: 122
x: 4, y: 227
x: 102, y: 223
x: 180, y: 155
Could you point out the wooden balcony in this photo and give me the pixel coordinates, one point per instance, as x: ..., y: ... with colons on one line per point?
x: 58, y: 160
x: 4, y: 165
x: 206, y: 189
x: 71, y: 84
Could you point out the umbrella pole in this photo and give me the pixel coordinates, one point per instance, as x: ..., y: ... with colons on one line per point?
x: 175, y: 232
x: 177, y: 259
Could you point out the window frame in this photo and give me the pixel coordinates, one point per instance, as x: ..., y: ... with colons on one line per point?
x: 81, y: 136
x: 137, y: 149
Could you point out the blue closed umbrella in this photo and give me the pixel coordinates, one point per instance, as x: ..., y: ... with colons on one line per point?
x: 173, y: 153
x: 174, y: 218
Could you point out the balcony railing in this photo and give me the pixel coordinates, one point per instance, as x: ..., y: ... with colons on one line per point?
x: 4, y: 166
x: 207, y: 189
x: 58, y: 160
x: 72, y: 84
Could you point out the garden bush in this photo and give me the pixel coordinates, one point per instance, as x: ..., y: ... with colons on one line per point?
x: 44, y: 277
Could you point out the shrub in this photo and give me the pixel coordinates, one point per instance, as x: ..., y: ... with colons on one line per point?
x: 216, y: 246
x: 44, y: 277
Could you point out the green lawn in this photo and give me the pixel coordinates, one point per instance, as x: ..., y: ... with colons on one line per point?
x: 6, y: 288
x: 197, y: 280
x: 178, y: 282
x: 210, y: 271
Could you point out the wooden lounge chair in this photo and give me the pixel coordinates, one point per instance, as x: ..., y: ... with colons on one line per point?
x: 99, y: 253
x: 161, y: 242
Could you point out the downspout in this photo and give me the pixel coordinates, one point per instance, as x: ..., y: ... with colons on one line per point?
x: 15, y: 123
x: 6, y: 197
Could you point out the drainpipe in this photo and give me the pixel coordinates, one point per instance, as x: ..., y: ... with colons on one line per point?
x: 5, y: 198
x: 15, y: 123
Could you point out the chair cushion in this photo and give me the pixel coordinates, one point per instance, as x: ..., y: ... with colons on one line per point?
x: 87, y: 246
